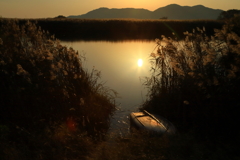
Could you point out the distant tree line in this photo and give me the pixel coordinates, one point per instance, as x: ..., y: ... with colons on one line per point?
x: 60, y: 16
x: 228, y: 14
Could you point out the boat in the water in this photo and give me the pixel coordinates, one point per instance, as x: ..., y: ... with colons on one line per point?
x: 145, y: 121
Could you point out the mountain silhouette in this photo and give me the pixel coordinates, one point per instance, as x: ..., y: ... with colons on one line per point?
x: 172, y: 11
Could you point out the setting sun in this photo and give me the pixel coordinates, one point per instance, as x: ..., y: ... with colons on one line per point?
x: 140, y: 62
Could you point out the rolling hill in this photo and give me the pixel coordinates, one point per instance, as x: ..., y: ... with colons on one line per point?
x: 172, y: 11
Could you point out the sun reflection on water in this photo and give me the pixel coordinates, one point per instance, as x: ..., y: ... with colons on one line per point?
x: 140, y: 62
x: 124, y: 67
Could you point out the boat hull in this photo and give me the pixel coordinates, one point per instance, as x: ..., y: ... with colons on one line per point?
x: 147, y: 122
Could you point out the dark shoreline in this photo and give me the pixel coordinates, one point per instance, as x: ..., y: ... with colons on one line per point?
x: 120, y: 29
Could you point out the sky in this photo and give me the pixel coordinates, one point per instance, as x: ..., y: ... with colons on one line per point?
x: 53, y: 8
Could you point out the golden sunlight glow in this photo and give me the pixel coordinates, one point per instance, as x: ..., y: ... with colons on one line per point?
x: 140, y: 62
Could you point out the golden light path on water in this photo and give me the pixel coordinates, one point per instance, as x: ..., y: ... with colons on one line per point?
x: 140, y: 62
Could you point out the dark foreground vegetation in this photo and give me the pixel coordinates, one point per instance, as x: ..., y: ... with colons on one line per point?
x: 50, y: 106
x: 139, y: 146
x: 120, y: 29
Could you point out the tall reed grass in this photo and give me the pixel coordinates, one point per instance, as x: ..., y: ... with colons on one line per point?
x: 195, y: 82
x: 50, y: 106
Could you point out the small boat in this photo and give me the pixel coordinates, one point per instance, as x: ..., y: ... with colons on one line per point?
x: 145, y: 121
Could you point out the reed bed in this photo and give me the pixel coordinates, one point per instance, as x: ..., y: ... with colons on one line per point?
x: 195, y: 83
x: 50, y: 106
x: 120, y: 29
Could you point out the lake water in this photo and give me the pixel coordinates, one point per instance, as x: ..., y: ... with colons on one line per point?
x: 123, y: 66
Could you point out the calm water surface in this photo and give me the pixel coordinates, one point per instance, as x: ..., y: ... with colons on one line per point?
x: 123, y: 66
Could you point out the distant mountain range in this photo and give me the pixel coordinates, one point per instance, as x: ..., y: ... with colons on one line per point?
x: 172, y: 11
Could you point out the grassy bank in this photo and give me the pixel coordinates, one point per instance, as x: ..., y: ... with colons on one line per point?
x: 50, y: 106
x: 120, y: 29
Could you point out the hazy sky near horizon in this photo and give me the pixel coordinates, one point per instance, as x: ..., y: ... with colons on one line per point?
x: 53, y: 8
